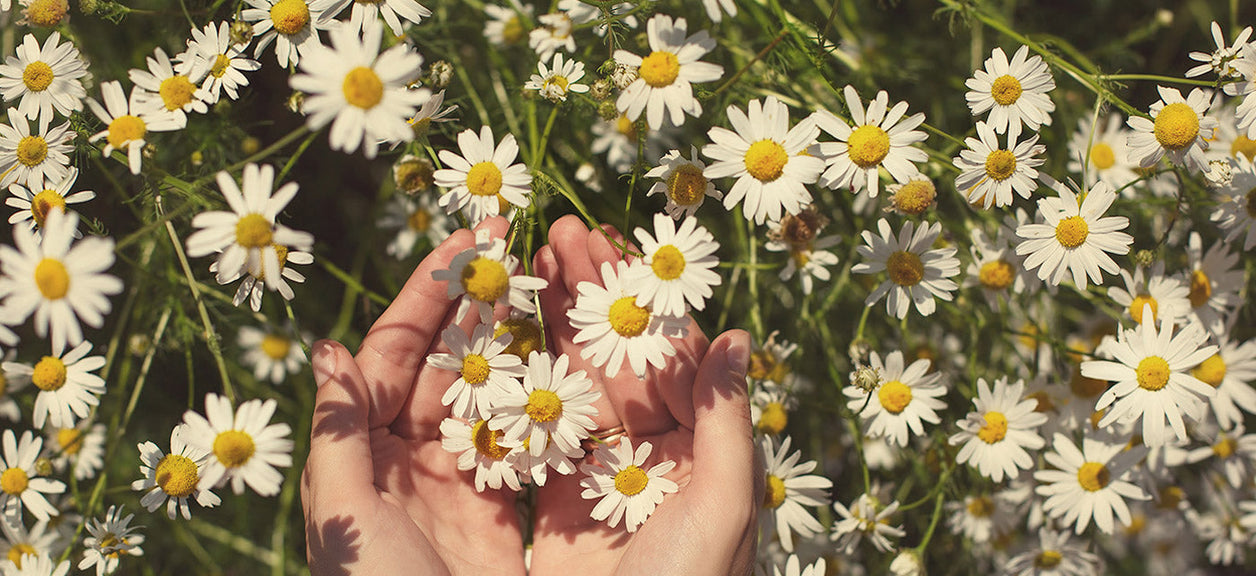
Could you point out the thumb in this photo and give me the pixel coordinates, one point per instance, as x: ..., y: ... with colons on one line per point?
x: 340, y: 466
x: 723, y: 448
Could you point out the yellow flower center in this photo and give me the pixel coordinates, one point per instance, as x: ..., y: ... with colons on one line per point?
x: 628, y: 319
x: 290, y: 16
x: 527, y: 336
x: 281, y: 253
x: 1225, y: 447
x: 276, y: 347
x: 1211, y: 371
x: 419, y: 220
x: 485, y: 441
x: 475, y: 369
x: 176, y: 92
x: 556, y: 80
x: 995, y: 428
x: 668, y: 263
x: 1006, y: 90
x: 659, y: 69
x: 774, y: 492
x: 981, y: 507
x: 631, y: 480
x: 18, y: 551
x: 997, y: 275
x: 484, y: 179
x: 363, y: 88
x: 1000, y: 165
x: 1170, y: 497
x: 177, y: 475
x: 626, y: 127
x: 543, y: 406
x: 1136, y: 307
x: 485, y: 279
x: 233, y: 448
x: 221, y: 64
x: 868, y: 145
x: 1177, y: 125
x: 47, y: 13
x: 1102, y: 156
x: 37, y: 76
x: 52, y: 279
x: 915, y: 197
x: 1152, y: 373
x: 70, y: 440
x: 43, y: 202
x: 1084, y: 387
x: 773, y: 419
x: 14, y: 481
x: 512, y: 31
x: 1048, y: 559
x: 894, y: 396
x: 125, y: 129
x: 49, y: 374
x: 1071, y: 232
x: 1245, y: 146
x: 905, y: 268
x: 1201, y: 289
x: 1093, y: 476
x: 254, y: 231
x: 1044, y: 402
x: 765, y: 366
x: 765, y: 160
x: 686, y: 186
x: 32, y: 150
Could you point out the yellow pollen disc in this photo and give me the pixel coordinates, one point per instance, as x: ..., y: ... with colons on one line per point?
x: 419, y: 220
x: 44, y: 202
x: 868, y: 145
x: 475, y: 369
x: 894, y: 396
x: 70, y: 440
x: 1000, y: 165
x: 1245, y: 146
x: 1006, y: 90
x: 177, y: 475
x: 1084, y: 387
x: 765, y: 366
x: 289, y: 16
x: 52, y: 279
x: 774, y: 492
x: 628, y: 319
x: 773, y: 419
x: 981, y: 507
x: 1201, y: 289
x: 1138, y: 522
x: 631, y: 480
x: 485, y: 441
x: 49, y: 374
x: 765, y: 160
x: 14, y: 481
x: 233, y: 448
x: 18, y: 551
x: 997, y: 275
x: 686, y: 186
x: 626, y: 127
x: 1211, y: 371
x: 1102, y: 156
x: 220, y: 67
x: 543, y: 406
x: 556, y: 80
x: 1136, y: 307
x: 485, y: 279
x: 176, y: 92
x: 1093, y: 476
x: 668, y: 263
x: 995, y: 429
x: 1044, y: 402
x: 1071, y: 232
x: 526, y: 333
x: 512, y: 31
x: 915, y: 197
x: 124, y: 129
x: 1177, y: 126
x: 47, y: 13
x: 1170, y: 497
x: 363, y: 88
x: 32, y: 150
x: 1225, y: 447
x: 905, y: 268
x: 37, y: 76
x: 1152, y: 373
x: 275, y: 347
x: 484, y: 179
x: 659, y: 69
x: 1048, y: 559
x: 254, y: 231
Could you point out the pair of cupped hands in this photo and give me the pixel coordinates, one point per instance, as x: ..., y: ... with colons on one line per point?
x: 381, y: 496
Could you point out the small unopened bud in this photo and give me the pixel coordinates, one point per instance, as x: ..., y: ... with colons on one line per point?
x: 607, y: 111
x: 296, y: 102
x: 241, y: 32
x: 89, y: 6
x: 413, y: 174
x: 914, y: 197
x: 149, y: 150
x: 907, y: 563
x: 1164, y: 17
x: 250, y: 145
x: 198, y: 158
x: 43, y: 467
x: 138, y: 344
x: 439, y: 74
x: 601, y: 89
x: 866, y: 378
x: 1144, y: 257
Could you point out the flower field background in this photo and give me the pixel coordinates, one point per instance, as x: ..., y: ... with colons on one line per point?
x: 993, y: 256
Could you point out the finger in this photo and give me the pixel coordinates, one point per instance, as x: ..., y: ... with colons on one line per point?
x: 340, y: 466
x: 601, y: 249
x: 675, y: 382
x: 723, y: 473
x: 568, y: 238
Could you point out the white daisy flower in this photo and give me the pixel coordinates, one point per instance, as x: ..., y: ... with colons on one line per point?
x: 1152, y: 379
x: 792, y: 565
x: 253, y: 286
x: 33, y: 204
x: 624, y: 488
x: 20, y: 487
x: 676, y: 268
x: 1233, y: 453
x: 767, y: 157
x: 19, y: 542
x: 30, y: 158
x: 244, y: 446
x: 292, y: 25
x: 485, y: 373
x: 84, y: 448
x: 9, y: 384
x: 41, y: 565
x: 989, y: 174
x: 1236, y: 216
x: 484, y: 275
x: 880, y: 138
x: 864, y: 518
x: 789, y: 487
x: 552, y: 407
x: 1013, y: 93
x: 916, y: 274
x: 1246, y: 111
x: 996, y: 435
x: 810, y: 261
x: 984, y: 518
x: 665, y: 76
x: 535, y: 469
x: 1231, y: 370
x: 904, y: 398
x: 554, y: 33
x: 715, y: 10
x: 162, y: 87
x: 1089, y: 483
x: 109, y: 540
x: 609, y: 319
x: 46, y: 79
x: 1076, y: 237
x: 1178, y: 126
x: 618, y: 140
x: 996, y: 268
x: 770, y: 404
x: 1099, y: 154
x: 1167, y: 295
x: 273, y: 355
x: 128, y: 122
x: 1215, y: 282
x: 477, y: 447
x: 1055, y: 555
x: 175, y: 477
x: 554, y: 83
x: 483, y: 176
x: 433, y: 110
x: 1220, y: 62
x: 364, y: 11
x: 505, y: 24
x: 681, y: 181
x: 219, y: 61
x: 414, y: 217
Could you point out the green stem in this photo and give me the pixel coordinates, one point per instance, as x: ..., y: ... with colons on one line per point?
x: 352, y: 282
x: 764, y: 52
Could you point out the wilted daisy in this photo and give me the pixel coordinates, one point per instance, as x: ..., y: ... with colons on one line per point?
x: 20, y: 486
x: 1177, y: 126
x: 553, y: 406
x: 292, y: 25
x: 916, y: 274
x: 128, y: 122
x: 767, y: 157
x: 505, y: 24
x: 904, y: 398
x: 34, y: 204
x: 1055, y: 555
x: 273, y: 355
x: 676, y: 267
x: 367, y: 11
x: 1076, y: 237
x: 477, y: 448
x: 624, y: 488
x: 1013, y: 93
x: 1231, y: 370
x: 554, y: 83
x: 1099, y: 153
x: 219, y: 61
x: 41, y: 539
x: 788, y: 488
x: 615, y: 327
x: 665, y: 75
x: 483, y: 176
x: 162, y: 87
x: 414, y: 217
x: 84, y: 448
x: 554, y: 33
x: 109, y: 540
x: 484, y: 275
x: 989, y: 174
x: 1236, y: 215
x: 1089, y: 483
x: 996, y: 435
x: 485, y: 372
x: 865, y: 518
x: 30, y: 158
x: 681, y: 181
x: 244, y: 446
x: 175, y: 477
x: 880, y: 138
x: 45, y: 78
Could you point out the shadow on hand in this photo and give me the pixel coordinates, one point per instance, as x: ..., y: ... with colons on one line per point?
x: 333, y: 544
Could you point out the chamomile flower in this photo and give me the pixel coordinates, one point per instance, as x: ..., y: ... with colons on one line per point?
x: 273, y: 355
x: 484, y: 275
x: 30, y: 158
x: 109, y: 540
x: 1177, y: 127
x: 293, y: 26
x: 1168, y: 296
x: 614, y: 326
x: 1055, y: 555
x: 255, y: 280
x: 41, y: 565
x: 792, y: 565
x: 33, y: 204
x: 20, y: 542
x: 505, y: 23
x: 128, y: 122
x: 624, y: 488
x: 676, y: 267
x: 478, y: 448
x: 1152, y: 379
x: 175, y: 477
x: 767, y: 157
x: 996, y: 268
x: 1013, y: 93
x: 555, y: 82
x: 681, y: 181
x: 1236, y: 216
x: 984, y: 518
x: 1074, y: 237
x: 789, y: 489
x: 393, y: 11
x: 1099, y: 153
x: 553, y: 407
x: 20, y: 486
x: 162, y: 87
x: 989, y: 174
x: 1221, y: 61
x: 904, y: 398
x: 996, y: 435
x: 83, y: 446
x: 865, y: 518
x: 880, y: 138
x: 1232, y: 451
x: 1231, y: 370
x: 433, y: 110
x: 770, y: 404
x: 414, y: 217
x: 1089, y: 483
x: 483, y: 176
x: 219, y: 62
x: 554, y: 33
x: 485, y: 372
x: 665, y: 76
x: 45, y: 78
x: 617, y: 138
x: 809, y: 260
x: 244, y: 446
x: 916, y: 274
x: 9, y: 384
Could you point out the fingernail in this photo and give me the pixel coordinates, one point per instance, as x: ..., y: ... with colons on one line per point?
x: 737, y: 355
x: 324, y: 361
